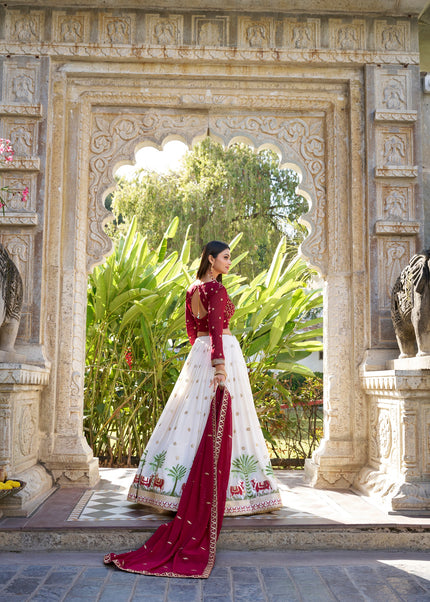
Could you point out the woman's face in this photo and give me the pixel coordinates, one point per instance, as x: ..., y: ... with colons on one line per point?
x: 222, y: 262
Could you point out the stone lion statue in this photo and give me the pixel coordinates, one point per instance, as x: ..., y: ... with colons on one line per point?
x: 410, y: 307
x: 11, y: 297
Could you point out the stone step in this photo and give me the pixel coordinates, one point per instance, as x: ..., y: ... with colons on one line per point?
x: 101, y: 519
x: 351, y: 537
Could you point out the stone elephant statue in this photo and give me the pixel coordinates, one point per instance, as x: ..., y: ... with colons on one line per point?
x: 410, y: 307
x: 11, y: 297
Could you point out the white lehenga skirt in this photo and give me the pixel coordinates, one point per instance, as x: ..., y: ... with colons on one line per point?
x: 167, y: 459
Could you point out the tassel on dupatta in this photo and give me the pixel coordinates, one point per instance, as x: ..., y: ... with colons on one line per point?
x: 186, y: 546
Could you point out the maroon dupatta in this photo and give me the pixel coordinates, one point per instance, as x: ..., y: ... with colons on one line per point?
x: 186, y: 546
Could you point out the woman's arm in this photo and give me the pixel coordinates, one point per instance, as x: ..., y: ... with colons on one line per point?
x: 190, y: 323
x: 217, y: 299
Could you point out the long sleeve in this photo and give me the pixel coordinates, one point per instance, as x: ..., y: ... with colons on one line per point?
x: 217, y: 299
x: 190, y: 322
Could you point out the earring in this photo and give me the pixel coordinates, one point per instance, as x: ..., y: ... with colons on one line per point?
x: 212, y: 273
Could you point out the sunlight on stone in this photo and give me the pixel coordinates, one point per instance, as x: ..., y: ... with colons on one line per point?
x: 151, y: 158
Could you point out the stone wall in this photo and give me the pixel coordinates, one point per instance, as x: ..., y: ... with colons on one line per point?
x: 337, y: 95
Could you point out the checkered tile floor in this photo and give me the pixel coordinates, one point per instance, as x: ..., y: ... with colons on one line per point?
x: 109, y: 503
x: 302, y: 505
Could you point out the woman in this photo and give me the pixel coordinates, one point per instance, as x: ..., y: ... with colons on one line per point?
x: 215, y: 359
x: 206, y: 457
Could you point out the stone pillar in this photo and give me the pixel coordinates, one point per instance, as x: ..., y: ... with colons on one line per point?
x: 20, y: 390
x: 397, y: 474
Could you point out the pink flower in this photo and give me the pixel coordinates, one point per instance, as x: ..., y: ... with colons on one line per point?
x: 24, y: 195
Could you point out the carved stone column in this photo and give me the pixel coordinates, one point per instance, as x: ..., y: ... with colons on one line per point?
x: 20, y: 390
x: 398, y: 469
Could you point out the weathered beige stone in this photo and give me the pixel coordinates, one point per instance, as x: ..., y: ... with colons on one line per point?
x: 397, y: 473
x: 335, y: 91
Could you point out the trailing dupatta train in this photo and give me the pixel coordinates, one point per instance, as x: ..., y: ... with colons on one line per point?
x: 186, y: 546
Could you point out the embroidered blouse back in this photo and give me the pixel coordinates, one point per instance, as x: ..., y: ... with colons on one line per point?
x: 211, y: 314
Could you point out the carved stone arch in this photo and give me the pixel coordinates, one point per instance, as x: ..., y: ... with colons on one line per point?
x: 114, y: 139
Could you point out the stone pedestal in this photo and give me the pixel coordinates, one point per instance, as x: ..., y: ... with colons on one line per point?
x: 397, y: 473
x: 20, y: 390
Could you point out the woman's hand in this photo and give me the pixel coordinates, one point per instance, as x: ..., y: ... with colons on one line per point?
x: 219, y: 377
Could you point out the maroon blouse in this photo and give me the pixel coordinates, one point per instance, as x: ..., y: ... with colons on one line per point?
x: 220, y: 309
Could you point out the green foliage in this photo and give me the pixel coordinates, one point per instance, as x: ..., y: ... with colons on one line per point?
x: 220, y: 192
x: 296, y: 427
x: 136, y: 341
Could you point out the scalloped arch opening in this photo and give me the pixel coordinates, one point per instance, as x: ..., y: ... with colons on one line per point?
x: 148, y: 152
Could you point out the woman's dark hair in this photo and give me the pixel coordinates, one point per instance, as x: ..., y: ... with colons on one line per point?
x: 212, y: 248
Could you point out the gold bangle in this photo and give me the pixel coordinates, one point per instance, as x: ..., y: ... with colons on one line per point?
x: 221, y: 373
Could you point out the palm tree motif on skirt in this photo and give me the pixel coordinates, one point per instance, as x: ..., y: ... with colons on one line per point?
x: 156, y: 464
x: 177, y: 472
x: 269, y: 470
x: 245, y: 465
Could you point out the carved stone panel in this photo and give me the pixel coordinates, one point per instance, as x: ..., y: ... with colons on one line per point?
x: 349, y: 35
x: 210, y: 31
x: 25, y: 27
x: 396, y: 209
x: 117, y: 30
x: 16, y: 184
x: 426, y: 440
x: 5, y: 435
x: 393, y: 255
x: 71, y: 28
x: 21, y: 82
x: 23, y: 135
x: 165, y: 31
x: 393, y: 37
x: 395, y: 152
x: 256, y: 33
x: 302, y: 33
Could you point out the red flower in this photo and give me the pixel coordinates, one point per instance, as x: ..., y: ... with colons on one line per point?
x: 129, y: 358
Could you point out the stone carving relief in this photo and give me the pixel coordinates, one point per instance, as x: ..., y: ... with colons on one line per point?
x: 114, y: 138
x: 116, y: 30
x: 23, y: 136
x: 27, y: 430
x: 16, y: 185
x: 396, y: 210
x: 409, y: 456
x: 302, y: 34
x: 347, y: 36
x: 256, y: 33
x: 165, y: 31
x: 394, y: 152
x: 394, y: 94
x: 396, y: 204
x: 392, y: 36
x: 22, y: 89
x: 71, y: 29
x: 210, y: 31
x: 392, y: 256
x: 21, y: 85
x: 5, y: 414
x: 426, y: 446
x: 382, y: 434
x: 25, y: 27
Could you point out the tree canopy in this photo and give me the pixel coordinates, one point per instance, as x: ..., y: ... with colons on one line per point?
x: 218, y: 192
